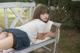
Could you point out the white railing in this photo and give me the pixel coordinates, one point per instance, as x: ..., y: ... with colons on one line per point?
x: 12, y: 6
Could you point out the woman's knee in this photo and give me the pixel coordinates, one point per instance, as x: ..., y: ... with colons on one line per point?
x: 7, y: 42
x: 3, y: 35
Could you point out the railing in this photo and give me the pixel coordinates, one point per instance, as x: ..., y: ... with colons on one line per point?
x: 11, y: 6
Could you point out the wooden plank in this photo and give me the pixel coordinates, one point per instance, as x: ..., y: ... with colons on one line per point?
x: 34, y: 46
x: 6, y: 17
x: 16, y: 4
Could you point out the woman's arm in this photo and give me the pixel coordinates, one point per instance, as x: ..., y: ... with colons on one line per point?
x: 53, y: 31
x: 51, y: 34
x: 41, y: 36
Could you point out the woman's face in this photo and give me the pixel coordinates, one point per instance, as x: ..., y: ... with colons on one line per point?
x: 44, y: 17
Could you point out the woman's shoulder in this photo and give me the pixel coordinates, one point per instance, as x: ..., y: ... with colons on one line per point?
x: 35, y: 20
x: 50, y: 21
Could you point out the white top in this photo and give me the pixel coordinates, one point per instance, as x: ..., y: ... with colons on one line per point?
x: 35, y: 26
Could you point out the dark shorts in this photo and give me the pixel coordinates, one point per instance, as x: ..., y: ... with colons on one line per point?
x: 20, y: 39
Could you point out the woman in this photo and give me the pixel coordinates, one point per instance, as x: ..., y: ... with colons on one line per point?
x: 21, y: 37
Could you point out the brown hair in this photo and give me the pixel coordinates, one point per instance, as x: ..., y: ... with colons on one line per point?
x: 40, y: 9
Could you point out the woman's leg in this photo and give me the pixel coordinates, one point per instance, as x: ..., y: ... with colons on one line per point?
x: 3, y: 35
x: 7, y: 42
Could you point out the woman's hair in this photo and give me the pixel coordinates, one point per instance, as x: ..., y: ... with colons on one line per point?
x: 40, y: 9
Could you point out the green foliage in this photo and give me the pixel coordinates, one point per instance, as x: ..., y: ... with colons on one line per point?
x: 42, y: 1
x: 65, y: 14
x: 75, y: 14
x: 62, y: 16
x: 54, y: 2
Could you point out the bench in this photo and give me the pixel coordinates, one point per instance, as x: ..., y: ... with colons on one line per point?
x: 11, y: 6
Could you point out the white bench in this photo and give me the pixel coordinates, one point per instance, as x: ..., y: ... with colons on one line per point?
x: 12, y: 5
x: 43, y: 44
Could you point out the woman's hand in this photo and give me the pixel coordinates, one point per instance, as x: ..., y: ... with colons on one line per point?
x: 41, y: 36
x: 50, y: 34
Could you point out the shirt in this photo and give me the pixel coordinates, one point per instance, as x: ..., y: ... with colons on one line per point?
x: 35, y: 26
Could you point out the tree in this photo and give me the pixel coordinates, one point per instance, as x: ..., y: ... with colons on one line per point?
x: 42, y: 1
x: 75, y: 14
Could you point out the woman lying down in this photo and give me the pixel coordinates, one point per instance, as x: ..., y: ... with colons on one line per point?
x: 38, y: 28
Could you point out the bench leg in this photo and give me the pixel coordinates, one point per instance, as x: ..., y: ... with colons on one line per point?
x: 53, y: 50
